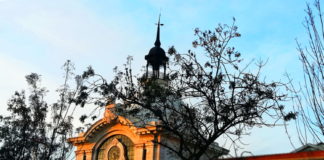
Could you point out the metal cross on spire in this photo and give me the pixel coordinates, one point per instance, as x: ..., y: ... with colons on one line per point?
x: 157, y: 41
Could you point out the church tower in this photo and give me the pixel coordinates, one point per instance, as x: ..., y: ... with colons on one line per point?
x: 156, y: 57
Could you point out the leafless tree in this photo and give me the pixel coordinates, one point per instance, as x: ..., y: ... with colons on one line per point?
x: 309, y: 99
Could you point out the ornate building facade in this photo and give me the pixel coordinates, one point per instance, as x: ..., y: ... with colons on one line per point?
x: 117, y: 138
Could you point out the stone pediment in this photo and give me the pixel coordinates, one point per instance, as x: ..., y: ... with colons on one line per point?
x: 108, y: 121
x: 90, y: 143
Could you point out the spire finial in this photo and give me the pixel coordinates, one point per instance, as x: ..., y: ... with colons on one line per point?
x: 157, y: 41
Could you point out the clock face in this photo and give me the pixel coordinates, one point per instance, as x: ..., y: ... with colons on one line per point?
x: 114, y: 153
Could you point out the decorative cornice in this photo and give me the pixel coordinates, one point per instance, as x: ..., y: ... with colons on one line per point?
x: 111, y: 119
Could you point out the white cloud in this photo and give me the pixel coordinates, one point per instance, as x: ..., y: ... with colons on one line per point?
x: 72, y: 29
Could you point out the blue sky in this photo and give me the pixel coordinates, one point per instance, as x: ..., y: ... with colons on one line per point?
x: 40, y: 35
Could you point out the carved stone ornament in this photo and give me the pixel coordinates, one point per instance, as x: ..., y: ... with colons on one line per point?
x: 115, y: 151
x: 109, y: 115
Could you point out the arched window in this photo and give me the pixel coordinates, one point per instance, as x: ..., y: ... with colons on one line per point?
x: 115, y: 146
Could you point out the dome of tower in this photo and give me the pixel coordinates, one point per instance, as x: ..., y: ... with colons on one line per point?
x: 156, y: 57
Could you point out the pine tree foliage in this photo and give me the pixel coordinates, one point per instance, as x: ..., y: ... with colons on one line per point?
x: 35, y: 129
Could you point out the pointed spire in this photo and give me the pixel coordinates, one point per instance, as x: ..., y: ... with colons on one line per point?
x: 157, y: 41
